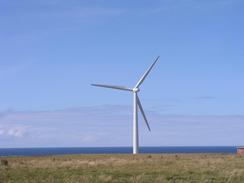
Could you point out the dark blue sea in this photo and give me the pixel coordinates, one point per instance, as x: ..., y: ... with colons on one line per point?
x: 112, y: 150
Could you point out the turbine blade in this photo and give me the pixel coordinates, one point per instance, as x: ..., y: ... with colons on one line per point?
x: 146, y: 73
x: 143, y: 113
x: 113, y: 87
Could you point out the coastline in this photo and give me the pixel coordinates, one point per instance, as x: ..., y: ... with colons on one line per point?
x: 49, y: 151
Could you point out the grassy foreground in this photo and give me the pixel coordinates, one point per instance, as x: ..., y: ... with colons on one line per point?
x: 125, y: 168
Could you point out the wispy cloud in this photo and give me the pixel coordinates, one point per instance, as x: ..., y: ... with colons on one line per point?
x: 79, y: 13
x: 111, y: 125
x: 46, y: 18
x: 5, y: 113
x: 168, y: 6
x: 205, y: 98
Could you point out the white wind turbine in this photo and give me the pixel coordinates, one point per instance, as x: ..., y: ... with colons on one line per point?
x: 137, y: 103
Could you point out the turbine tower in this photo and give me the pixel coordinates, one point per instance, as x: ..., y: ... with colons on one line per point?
x: 136, y: 104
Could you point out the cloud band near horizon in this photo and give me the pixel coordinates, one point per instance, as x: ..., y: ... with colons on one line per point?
x: 111, y: 125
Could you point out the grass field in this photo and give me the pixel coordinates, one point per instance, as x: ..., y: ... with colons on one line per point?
x: 163, y: 168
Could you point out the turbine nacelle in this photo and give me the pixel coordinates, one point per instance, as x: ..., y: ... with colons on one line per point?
x: 135, y: 90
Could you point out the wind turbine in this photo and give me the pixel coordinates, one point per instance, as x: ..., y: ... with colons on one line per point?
x: 136, y: 104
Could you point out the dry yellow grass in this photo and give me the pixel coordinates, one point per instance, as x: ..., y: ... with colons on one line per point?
x: 125, y: 168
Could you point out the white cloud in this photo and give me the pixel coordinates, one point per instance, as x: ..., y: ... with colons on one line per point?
x: 16, y: 132
x: 13, y: 131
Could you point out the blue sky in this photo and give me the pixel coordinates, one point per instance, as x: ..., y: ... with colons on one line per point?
x: 52, y: 50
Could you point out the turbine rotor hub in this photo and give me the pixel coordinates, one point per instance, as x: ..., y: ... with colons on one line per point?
x: 136, y: 90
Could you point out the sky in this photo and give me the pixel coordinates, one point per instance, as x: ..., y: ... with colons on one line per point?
x: 52, y: 50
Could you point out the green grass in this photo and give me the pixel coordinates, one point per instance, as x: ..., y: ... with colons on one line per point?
x: 190, y: 168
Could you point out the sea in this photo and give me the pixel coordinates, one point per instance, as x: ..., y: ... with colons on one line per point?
x: 114, y: 150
